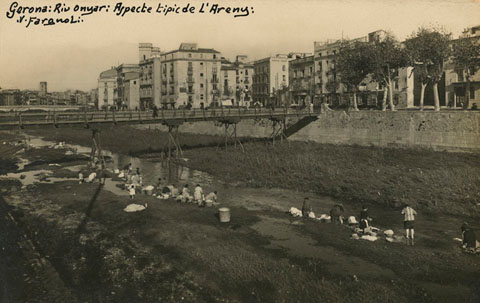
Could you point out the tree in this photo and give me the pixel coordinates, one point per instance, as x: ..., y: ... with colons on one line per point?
x: 466, y: 57
x: 428, y: 49
x: 388, y: 57
x: 353, y: 63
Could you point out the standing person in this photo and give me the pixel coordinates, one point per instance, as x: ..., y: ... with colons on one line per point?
x: 336, y: 213
x: 469, y: 237
x: 198, y: 194
x: 186, y: 194
x: 408, y: 222
x: 155, y: 111
x: 305, y: 208
x: 139, y: 177
x: 131, y: 191
x: 364, y: 218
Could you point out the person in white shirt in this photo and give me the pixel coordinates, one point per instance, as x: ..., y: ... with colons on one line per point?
x: 211, y: 197
x: 198, y: 195
x: 131, y: 191
x: 186, y: 194
x: 408, y: 222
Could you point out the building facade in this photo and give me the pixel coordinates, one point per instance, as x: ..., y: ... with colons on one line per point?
x: 107, y: 88
x: 132, y: 90
x: 271, y: 76
x: 462, y: 87
x: 190, y: 77
x: 122, y: 71
x: 302, y: 80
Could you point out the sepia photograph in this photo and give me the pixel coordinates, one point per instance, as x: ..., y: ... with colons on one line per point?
x: 239, y: 151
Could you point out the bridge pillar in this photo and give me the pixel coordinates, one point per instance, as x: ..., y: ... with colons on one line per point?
x: 230, y: 126
x: 279, y: 125
x: 173, y: 141
x: 96, y: 149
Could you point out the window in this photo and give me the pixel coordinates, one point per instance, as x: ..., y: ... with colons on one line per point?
x: 189, y: 55
x: 283, y: 68
x: 246, y: 72
x: 201, y: 63
x: 284, y: 78
x: 201, y: 97
x: 201, y: 74
x: 319, y: 54
x: 214, y: 56
x: 472, y: 92
x: 201, y: 85
x: 214, y: 86
x: 134, y: 82
x: 311, y: 70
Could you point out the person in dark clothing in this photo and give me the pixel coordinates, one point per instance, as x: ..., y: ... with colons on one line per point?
x: 155, y: 111
x: 364, y: 218
x: 469, y: 237
x: 305, y: 208
x: 336, y: 214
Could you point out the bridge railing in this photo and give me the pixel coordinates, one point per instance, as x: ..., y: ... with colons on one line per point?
x: 78, y: 117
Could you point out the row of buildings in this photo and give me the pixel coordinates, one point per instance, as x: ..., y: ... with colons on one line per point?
x: 17, y: 97
x: 200, y: 77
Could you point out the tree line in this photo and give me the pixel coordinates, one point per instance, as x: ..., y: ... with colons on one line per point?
x: 427, y: 51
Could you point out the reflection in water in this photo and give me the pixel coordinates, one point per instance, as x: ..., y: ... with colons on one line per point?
x: 151, y: 171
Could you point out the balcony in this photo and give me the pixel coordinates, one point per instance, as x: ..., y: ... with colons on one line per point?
x: 190, y: 71
x: 190, y: 80
x: 214, y: 80
x: 191, y: 91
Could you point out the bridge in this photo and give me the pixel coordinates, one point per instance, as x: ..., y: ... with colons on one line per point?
x: 172, y: 118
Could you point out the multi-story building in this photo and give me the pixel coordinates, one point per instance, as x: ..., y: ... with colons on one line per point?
x: 107, y: 88
x: 271, y: 76
x: 328, y: 83
x: 244, y: 80
x: 461, y: 90
x: 190, y: 76
x: 150, y: 82
x: 43, y: 88
x: 236, y: 81
x: 10, y: 97
x: 122, y: 70
x: 132, y: 90
x: 229, y: 83
x: 302, y: 80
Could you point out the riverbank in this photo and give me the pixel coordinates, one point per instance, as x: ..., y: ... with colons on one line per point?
x: 179, y: 252
x: 429, y: 180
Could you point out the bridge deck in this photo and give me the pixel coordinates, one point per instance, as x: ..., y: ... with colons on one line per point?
x: 174, y: 116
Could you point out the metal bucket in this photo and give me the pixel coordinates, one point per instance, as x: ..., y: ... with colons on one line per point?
x: 224, y: 214
x: 208, y: 203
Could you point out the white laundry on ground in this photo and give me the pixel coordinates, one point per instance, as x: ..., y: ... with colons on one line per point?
x: 388, y: 233
x: 295, y: 212
x: 135, y: 207
x: 352, y: 220
x: 369, y: 238
x: 311, y: 215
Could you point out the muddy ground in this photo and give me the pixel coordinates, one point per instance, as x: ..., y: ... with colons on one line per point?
x: 70, y: 242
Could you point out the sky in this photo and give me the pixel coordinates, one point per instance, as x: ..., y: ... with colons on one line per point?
x: 71, y: 56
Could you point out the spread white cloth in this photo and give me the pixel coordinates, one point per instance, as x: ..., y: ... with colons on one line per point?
x: 388, y: 233
x: 116, y: 171
x: 311, y: 215
x: 149, y: 187
x: 121, y: 175
x: 295, y: 212
x: 352, y: 220
x: 369, y: 238
x: 134, y: 207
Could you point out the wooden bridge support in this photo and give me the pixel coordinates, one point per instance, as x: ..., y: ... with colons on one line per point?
x: 173, y: 141
x: 279, y: 125
x: 230, y: 126
x: 96, y: 149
